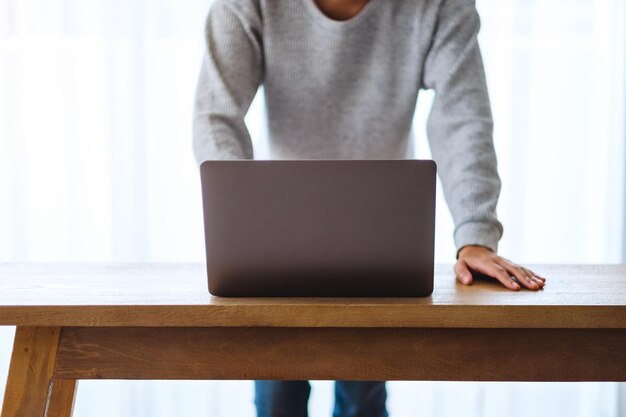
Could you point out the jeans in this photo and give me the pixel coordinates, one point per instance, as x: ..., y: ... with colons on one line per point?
x: 289, y: 399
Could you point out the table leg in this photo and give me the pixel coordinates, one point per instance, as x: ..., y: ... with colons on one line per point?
x: 31, y: 390
x: 61, y: 398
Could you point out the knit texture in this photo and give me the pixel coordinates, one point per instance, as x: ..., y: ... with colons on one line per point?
x: 348, y: 90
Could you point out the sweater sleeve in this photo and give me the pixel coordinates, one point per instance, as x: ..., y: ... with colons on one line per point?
x: 460, y: 126
x: 230, y: 75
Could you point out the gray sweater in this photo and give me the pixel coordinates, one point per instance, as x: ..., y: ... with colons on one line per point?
x: 348, y: 90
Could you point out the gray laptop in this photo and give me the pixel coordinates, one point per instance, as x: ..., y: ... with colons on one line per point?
x: 338, y: 228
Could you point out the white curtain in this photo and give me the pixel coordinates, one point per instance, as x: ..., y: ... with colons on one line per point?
x: 96, y: 165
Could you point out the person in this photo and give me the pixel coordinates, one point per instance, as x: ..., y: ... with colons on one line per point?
x: 341, y: 80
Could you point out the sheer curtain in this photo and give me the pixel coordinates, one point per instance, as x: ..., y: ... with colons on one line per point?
x: 96, y: 165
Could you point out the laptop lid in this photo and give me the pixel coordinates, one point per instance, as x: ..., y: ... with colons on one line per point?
x: 319, y: 227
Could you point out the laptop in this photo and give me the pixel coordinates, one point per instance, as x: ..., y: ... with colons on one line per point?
x: 327, y: 228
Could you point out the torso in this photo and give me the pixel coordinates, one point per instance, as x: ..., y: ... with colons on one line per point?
x: 343, y: 89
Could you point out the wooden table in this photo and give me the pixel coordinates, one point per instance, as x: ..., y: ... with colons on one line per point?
x: 157, y: 321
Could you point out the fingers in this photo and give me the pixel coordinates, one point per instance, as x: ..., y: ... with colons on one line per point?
x: 484, y: 261
x: 534, y: 277
x: 463, y: 274
x: 540, y: 282
x: 522, y: 275
x: 498, y: 272
x: 539, y: 277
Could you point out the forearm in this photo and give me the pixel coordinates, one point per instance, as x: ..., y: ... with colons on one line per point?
x: 219, y: 131
x: 463, y: 148
x: 229, y: 78
x: 460, y: 128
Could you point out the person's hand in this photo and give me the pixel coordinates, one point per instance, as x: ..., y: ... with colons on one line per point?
x: 480, y: 260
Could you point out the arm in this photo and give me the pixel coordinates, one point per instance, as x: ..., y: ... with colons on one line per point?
x: 232, y: 69
x: 460, y: 132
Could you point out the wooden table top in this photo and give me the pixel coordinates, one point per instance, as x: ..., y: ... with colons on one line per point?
x: 575, y: 296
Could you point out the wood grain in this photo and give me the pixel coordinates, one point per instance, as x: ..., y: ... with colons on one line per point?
x: 334, y: 353
x: 576, y: 296
x: 30, y: 371
x: 61, y: 398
